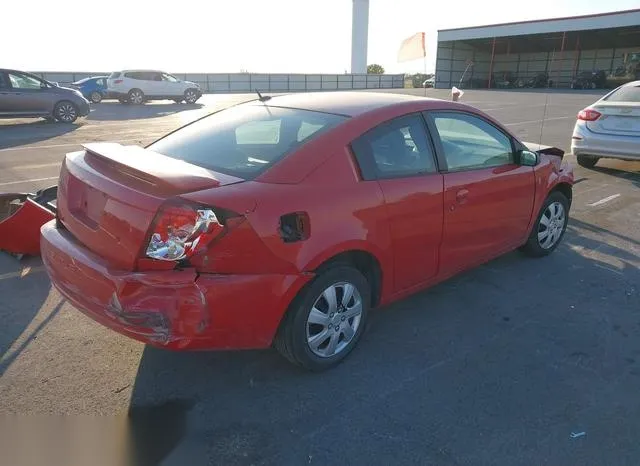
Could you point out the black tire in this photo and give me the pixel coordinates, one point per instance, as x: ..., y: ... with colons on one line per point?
x: 95, y: 97
x: 191, y: 96
x: 533, y: 246
x: 136, y: 97
x: 291, y: 339
x: 587, y: 161
x: 65, y: 112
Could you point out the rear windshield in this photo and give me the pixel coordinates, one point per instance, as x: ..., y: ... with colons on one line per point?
x: 625, y: 94
x: 244, y: 141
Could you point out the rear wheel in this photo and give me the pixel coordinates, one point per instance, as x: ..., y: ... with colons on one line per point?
x: 65, y: 112
x: 136, y: 96
x: 326, y: 321
x: 95, y: 97
x: 587, y: 161
x: 550, y: 226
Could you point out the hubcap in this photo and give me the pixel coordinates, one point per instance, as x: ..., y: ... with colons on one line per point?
x: 95, y: 97
x: 136, y: 97
x: 190, y: 97
x: 551, y: 225
x: 66, y: 112
x: 334, y: 319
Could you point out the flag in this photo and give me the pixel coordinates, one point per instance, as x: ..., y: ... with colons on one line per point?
x: 413, y: 48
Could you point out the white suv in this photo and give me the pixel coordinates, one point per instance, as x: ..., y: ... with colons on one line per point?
x: 138, y: 86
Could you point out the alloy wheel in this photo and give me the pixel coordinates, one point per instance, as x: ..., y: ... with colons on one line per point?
x: 66, y: 112
x: 334, y: 319
x: 136, y: 97
x: 551, y: 225
x: 190, y: 97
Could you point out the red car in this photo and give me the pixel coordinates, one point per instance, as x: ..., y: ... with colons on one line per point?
x: 283, y: 221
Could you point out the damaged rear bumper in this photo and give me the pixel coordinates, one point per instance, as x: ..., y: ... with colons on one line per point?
x: 175, y: 309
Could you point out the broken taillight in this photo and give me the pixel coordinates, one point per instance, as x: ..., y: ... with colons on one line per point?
x: 179, y: 231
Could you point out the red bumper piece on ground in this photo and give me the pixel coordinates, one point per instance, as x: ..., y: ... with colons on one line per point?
x: 20, y: 220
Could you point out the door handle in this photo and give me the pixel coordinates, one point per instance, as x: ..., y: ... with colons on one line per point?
x: 461, y: 196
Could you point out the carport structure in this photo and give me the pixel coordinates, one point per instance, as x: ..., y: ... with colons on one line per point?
x: 561, y: 47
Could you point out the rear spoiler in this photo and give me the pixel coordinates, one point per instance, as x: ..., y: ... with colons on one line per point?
x: 541, y: 149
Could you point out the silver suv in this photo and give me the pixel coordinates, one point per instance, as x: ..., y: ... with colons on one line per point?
x: 25, y: 95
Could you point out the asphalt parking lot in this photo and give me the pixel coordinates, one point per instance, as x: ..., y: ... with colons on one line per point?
x: 500, y: 365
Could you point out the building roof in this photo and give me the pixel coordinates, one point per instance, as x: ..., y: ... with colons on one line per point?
x: 611, y: 20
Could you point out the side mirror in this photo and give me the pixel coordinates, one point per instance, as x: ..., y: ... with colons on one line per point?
x: 528, y: 158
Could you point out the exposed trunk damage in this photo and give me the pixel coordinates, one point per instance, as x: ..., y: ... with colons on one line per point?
x: 21, y: 216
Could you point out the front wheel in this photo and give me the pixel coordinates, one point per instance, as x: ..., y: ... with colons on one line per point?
x: 550, y: 226
x: 191, y: 96
x: 587, y: 161
x: 65, y: 112
x: 326, y: 321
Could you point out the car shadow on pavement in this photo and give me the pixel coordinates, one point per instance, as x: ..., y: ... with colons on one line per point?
x: 626, y: 170
x: 21, y: 133
x: 495, y: 365
x: 114, y: 111
x: 21, y: 299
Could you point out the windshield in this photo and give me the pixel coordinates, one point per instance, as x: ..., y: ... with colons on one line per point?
x: 244, y: 141
x: 625, y: 94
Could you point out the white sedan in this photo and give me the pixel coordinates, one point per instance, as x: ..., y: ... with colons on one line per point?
x: 610, y: 128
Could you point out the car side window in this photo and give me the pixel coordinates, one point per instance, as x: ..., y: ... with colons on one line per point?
x: 21, y: 81
x: 395, y: 149
x: 168, y: 77
x: 469, y: 142
x: 3, y: 81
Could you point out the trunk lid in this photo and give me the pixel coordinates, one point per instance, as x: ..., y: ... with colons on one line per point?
x: 108, y: 196
x: 618, y: 118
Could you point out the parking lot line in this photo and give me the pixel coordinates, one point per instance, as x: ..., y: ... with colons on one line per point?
x: 70, y: 144
x: 22, y: 273
x: 604, y: 201
x: 538, y: 121
x: 34, y: 167
x: 29, y: 181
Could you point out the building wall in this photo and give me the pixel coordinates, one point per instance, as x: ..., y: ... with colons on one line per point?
x: 561, y: 66
x: 249, y: 82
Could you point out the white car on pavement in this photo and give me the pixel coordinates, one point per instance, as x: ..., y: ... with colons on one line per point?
x: 609, y: 128
x: 139, y: 86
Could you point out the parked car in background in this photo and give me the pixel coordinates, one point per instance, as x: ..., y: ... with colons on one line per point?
x: 609, y: 128
x: 285, y: 220
x: 94, y: 89
x: 589, y: 80
x: 25, y: 95
x: 139, y: 86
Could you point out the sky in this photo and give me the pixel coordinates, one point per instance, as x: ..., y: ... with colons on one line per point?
x: 261, y: 36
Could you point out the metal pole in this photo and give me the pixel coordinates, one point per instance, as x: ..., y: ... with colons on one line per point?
x: 493, y: 52
x: 576, y: 61
x: 561, y: 60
